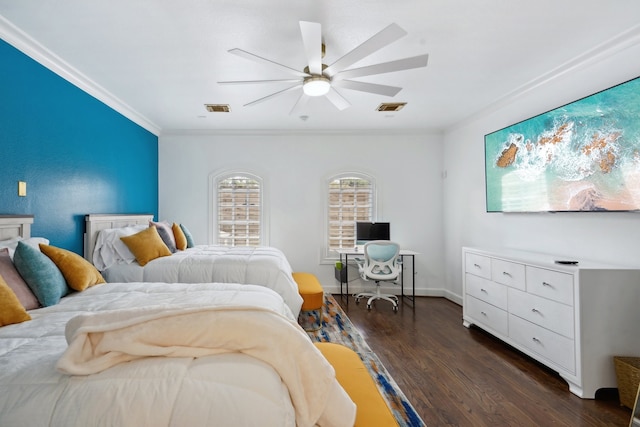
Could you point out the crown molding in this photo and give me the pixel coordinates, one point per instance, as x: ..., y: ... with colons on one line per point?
x: 301, y: 132
x: 619, y: 43
x: 30, y: 47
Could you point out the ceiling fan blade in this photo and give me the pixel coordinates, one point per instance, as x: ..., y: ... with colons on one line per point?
x: 385, y: 67
x: 280, y: 92
x: 383, y: 38
x: 300, y: 104
x: 367, y: 87
x: 244, y: 54
x: 312, y: 39
x: 243, y: 82
x: 338, y: 100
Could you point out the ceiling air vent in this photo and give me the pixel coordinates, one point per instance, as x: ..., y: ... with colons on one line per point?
x: 218, y: 108
x: 391, y: 106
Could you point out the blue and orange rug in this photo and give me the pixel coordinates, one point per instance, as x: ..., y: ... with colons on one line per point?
x: 337, y: 328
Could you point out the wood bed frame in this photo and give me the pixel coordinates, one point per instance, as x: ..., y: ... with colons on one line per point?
x: 94, y: 223
x: 15, y: 226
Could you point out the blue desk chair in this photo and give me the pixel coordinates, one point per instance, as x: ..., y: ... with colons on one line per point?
x: 381, y: 264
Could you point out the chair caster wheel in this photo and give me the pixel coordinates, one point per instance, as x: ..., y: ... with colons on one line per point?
x: 357, y: 301
x: 368, y: 306
x: 395, y: 308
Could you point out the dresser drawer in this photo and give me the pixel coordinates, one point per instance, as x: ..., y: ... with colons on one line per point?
x: 478, y: 265
x: 508, y: 273
x: 543, y: 312
x: 549, y: 345
x: 550, y: 284
x: 486, y: 290
x: 487, y: 315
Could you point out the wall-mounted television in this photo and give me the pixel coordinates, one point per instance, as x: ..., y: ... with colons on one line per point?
x: 367, y: 231
x: 582, y: 156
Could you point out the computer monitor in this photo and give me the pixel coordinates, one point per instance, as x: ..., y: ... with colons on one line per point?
x: 367, y: 231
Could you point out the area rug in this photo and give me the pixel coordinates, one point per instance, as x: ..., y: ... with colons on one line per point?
x: 337, y: 328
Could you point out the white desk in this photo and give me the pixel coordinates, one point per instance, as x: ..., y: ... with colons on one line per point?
x: 347, y: 252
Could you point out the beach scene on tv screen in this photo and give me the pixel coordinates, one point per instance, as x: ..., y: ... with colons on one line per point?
x: 583, y: 156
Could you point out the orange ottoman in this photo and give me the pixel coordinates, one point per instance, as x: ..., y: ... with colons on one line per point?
x: 312, y: 294
x: 353, y: 376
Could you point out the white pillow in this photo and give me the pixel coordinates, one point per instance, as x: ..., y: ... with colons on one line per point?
x: 12, y: 243
x: 110, y: 250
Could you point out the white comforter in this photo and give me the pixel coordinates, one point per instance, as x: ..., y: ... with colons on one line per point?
x: 214, y: 390
x: 265, y: 266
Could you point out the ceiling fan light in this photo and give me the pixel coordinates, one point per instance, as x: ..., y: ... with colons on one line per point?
x: 316, y: 86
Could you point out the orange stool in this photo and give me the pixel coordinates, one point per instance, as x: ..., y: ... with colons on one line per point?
x: 312, y: 294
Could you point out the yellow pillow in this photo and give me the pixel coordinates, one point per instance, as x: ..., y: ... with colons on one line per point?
x: 181, y: 239
x: 79, y: 273
x: 11, y: 311
x: 146, y: 245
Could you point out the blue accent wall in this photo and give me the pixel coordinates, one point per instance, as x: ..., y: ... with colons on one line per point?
x: 76, y: 154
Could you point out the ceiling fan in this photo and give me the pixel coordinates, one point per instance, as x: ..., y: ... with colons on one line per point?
x: 318, y: 79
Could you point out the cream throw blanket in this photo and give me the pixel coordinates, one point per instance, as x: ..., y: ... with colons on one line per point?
x: 100, y: 340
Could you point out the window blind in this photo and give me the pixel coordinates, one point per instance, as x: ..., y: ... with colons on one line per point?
x: 239, y: 211
x: 350, y: 200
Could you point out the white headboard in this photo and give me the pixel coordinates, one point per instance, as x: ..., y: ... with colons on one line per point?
x: 15, y: 226
x: 94, y: 223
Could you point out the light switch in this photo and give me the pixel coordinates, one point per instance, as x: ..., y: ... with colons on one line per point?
x: 22, y: 188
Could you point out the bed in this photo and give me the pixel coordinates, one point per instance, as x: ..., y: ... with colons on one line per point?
x: 266, y: 266
x: 165, y: 354
x: 14, y: 226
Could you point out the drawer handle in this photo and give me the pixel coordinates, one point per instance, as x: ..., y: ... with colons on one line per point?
x: 476, y: 265
x: 536, y: 340
x: 483, y: 313
x: 547, y: 284
x: 535, y: 310
x: 483, y: 290
x: 506, y: 273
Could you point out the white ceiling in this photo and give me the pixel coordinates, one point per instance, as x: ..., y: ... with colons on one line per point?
x: 159, y: 61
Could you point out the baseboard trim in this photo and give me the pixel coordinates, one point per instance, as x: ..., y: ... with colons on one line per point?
x: 421, y: 292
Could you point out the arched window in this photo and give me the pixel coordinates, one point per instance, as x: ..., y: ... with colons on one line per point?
x: 238, y: 216
x: 351, y: 198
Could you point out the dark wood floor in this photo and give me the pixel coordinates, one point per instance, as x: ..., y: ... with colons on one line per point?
x: 456, y: 376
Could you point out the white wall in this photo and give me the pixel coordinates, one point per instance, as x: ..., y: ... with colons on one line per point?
x: 295, y: 169
x: 608, y: 237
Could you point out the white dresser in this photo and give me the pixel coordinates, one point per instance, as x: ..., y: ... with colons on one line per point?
x: 573, y: 319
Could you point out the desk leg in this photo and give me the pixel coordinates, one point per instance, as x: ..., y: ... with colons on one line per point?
x: 402, y: 278
x: 340, y: 274
x: 346, y: 277
x: 413, y: 278
x: 412, y: 298
x: 346, y: 273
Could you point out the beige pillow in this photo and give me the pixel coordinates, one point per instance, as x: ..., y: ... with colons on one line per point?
x: 79, y: 273
x: 181, y: 239
x: 146, y: 245
x: 11, y: 311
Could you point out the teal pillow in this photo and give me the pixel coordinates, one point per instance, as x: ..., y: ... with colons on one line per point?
x: 188, y: 235
x: 41, y: 274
